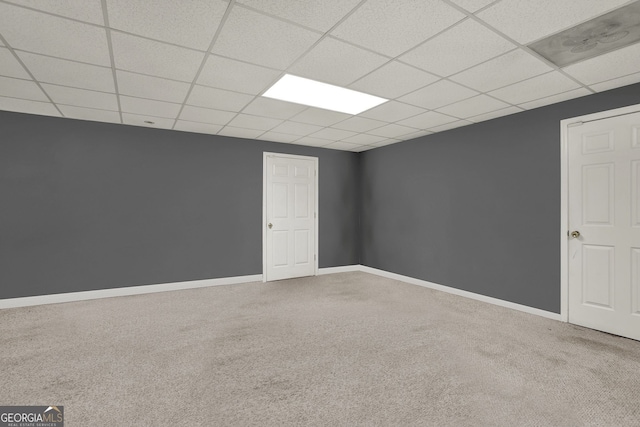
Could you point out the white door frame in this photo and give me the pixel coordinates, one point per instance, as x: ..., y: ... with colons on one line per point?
x: 564, y: 194
x: 266, y: 154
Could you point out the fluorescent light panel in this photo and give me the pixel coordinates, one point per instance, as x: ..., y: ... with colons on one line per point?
x: 322, y: 95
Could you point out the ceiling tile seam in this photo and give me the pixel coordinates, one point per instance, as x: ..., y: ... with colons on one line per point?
x: 46, y: 12
x: 128, y: 33
x: 548, y: 96
x: 22, y: 64
x: 615, y: 78
x: 204, y: 60
x: 66, y: 104
x: 16, y: 78
x: 75, y: 87
x: 105, y: 16
x: 61, y: 58
x: 485, y: 7
x: 276, y: 17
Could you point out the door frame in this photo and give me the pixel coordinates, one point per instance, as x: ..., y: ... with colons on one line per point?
x: 265, y: 155
x: 564, y: 194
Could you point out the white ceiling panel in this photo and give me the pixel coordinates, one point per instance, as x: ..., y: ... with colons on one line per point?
x: 81, y: 97
x: 320, y: 117
x: 332, y: 134
x: 385, y: 142
x: 348, y: 63
x: 218, y: 99
x: 465, y: 45
x: 362, y: 148
x: 449, y: 126
x: 10, y: 67
x: 392, y: 131
x: 341, y: 145
x: 392, y: 111
x: 313, y: 142
x: 494, y: 114
x: 502, y: 71
x: 294, y: 128
x: 24, y: 89
x: 262, y: 40
x: 438, y: 95
x: 526, y: 20
x: 80, y: 113
x: 140, y: 120
x: 154, y: 58
x: 535, y: 88
x: 206, y: 115
x: 417, y: 134
x: 240, y: 132
x: 150, y: 107
x: 615, y: 83
x: 142, y: 86
x: 427, y: 120
x: 393, y: 27
x: 477, y: 105
x: 82, y: 10
x: 473, y: 5
x: 26, y: 106
x: 599, y: 69
x: 196, y: 127
x: 319, y: 15
x: 236, y: 76
x: 392, y: 80
x: 565, y: 96
x: 53, y: 36
x: 359, y: 124
x: 363, y: 138
x: 267, y: 107
x: 192, y: 25
x: 254, y: 122
x: 278, y: 137
x: 68, y: 73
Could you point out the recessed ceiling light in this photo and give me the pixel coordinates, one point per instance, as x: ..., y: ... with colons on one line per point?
x: 322, y: 95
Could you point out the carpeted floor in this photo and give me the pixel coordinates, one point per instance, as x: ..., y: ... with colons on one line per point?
x: 347, y: 349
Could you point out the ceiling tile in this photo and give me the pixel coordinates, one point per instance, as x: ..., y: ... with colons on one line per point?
x: 393, y: 80
x: 10, y: 67
x: 313, y: 142
x: 392, y: 27
x: 278, y: 137
x: 332, y: 134
x: 345, y: 146
x: 68, y: 73
x: 363, y: 138
x: 392, y: 111
x: 53, y: 36
x: 535, y: 88
x: 81, y: 97
x: 612, y: 84
x: 196, y: 127
x: 526, y: 20
x: 254, y: 122
x: 438, y: 94
x: 575, y: 93
x: 494, y: 114
x: 139, y: 120
x: 24, y: 89
x: 149, y: 87
x: 602, y: 68
x: 362, y: 148
x: 504, y: 70
x: 206, y: 115
x: 262, y: 40
x: 347, y: 63
x: 414, y: 135
x: 427, y: 120
x: 154, y: 58
x: 465, y: 45
x: 472, y: 5
x: 29, y: 107
x: 452, y: 125
x: 473, y: 106
x: 392, y: 131
x: 240, y: 132
x: 320, y: 117
x: 267, y: 107
x: 237, y: 76
x: 319, y: 15
x: 191, y: 25
x: 149, y: 107
x: 299, y: 129
x: 359, y: 124
x: 218, y: 99
x: 82, y: 10
x: 73, y: 112
x: 385, y: 142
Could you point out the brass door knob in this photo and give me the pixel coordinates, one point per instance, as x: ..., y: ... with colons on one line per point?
x: 269, y: 225
x: 575, y: 234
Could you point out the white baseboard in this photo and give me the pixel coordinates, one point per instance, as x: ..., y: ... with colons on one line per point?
x: 119, y: 292
x: 341, y: 269
x: 459, y: 292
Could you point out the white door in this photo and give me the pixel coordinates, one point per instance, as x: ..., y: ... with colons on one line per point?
x: 290, y: 216
x: 604, y: 219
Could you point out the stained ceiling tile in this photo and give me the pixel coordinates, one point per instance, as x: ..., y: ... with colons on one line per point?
x: 10, y: 67
x: 294, y: 128
x: 149, y: 87
x: 27, y: 106
x: 427, y: 120
x: 150, y: 107
x: 348, y: 63
x: 218, y: 99
x: 53, y: 36
x: 392, y: 111
x: 535, y: 88
x: 391, y: 28
x: 392, y: 131
x: 438, y: 95
x: 359, y: 124
x: 392, y: 80
x: 267, y: 107
x: 81, y: 97
x: 460, y: 47
x: 320, y: 117
x: 473, y: 107
x: 599, y: 69
x: 191, y: 25
x: 254, y: 122
x: 82, y: 10
x: 142, y: 120
x: 196, y: 127
x: 565, y: 96
x: 24, y: 89
x: 80, y: 113
x: 236, y: 76
x: 243, y: 37
x: 206, y: 115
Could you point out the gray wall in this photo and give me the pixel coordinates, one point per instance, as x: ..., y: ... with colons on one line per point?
x: 476, y: 208
x: 88, y: 205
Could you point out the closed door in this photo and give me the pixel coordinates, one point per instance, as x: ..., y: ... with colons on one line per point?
x: 290, y: 216
x: 604, y: 222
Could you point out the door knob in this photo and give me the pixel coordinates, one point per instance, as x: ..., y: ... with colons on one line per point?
x: 271, y: 225
x: 575, y: 234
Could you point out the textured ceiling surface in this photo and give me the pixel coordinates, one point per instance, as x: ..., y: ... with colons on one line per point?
x: 202, y: 65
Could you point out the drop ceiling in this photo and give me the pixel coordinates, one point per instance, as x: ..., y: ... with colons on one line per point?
x: 201, y: 66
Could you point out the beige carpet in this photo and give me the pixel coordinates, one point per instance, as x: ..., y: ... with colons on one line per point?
x: 346, y: 349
